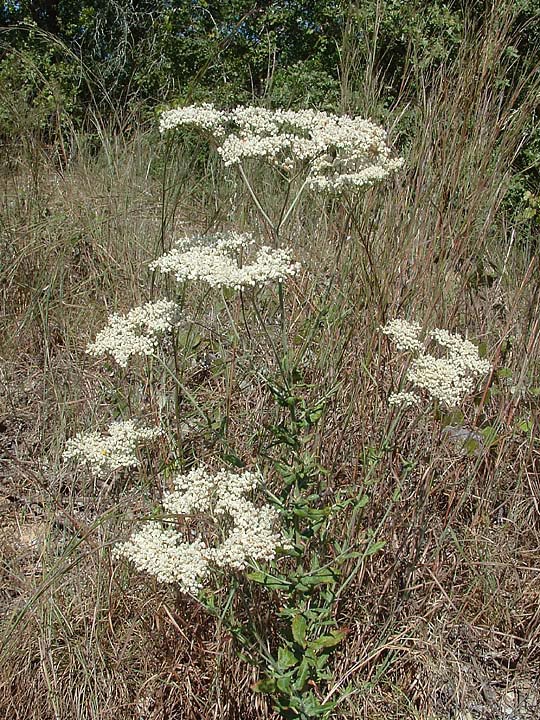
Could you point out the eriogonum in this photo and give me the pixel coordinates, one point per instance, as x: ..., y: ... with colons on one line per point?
x: 335, y: 151
x: 227, y: 260
x: 404, y: 399
x: 136, y: 333
x: 116, y: 449
x: 447, y: 376
x: 203, y: 116
x: 160, y: 551
x: 234, y: 530
x: 404, y: 334
x: 251, y: 537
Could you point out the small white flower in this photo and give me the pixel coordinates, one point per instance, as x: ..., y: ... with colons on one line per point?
x: 203, y: 116
x: 336, y: 152
x: 448, y: 376
x: 106, y: 453
x: 252, y: 536
x: 441, y: 378
x: 404, y: 334
x: 242, y: 533
x: 226, y: 260
x: 462, y: 352
x: 161, y: 552
x: 404, y: 399
x: 136, y: 333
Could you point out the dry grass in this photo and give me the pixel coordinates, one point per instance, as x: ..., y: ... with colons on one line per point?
x: 443, y: 622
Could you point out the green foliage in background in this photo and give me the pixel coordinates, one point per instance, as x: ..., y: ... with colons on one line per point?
x: 64, y: 63
x: 289, y: 52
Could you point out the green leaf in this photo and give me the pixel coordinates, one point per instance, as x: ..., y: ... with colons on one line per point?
x: 525, y: 425
x: 471, y: 446
x: 351, y: 555
x: 321, y: 577
x: 313, y: 415
x: 312, y: 707
x: 284, y: 683
x: 483, y: 349
x: 233, y: 460
x: 299, y: 630
x: 327, y: 641
x: 454, y: 417
x: 304, y: 672
x: 374, y: 548
x: 362, y: 502
x: 286, y: 658
x: 266, y: 685
x: 491, y: 436
x: 267, y: 580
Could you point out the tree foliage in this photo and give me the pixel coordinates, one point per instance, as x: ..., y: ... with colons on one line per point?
x: 116, y: 55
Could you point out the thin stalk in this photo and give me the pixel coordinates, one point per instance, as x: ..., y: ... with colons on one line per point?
x: 184, y: 390
x: 256, y: 201
x: 284, y: 338
x: 177, y: 368
x: 297, y: 197
x: 282, y: 211
x: 230, y: 317
x: 163, y: 212
x: 176, y: 392
x: 244, y: 318
x: 315, y: 324
x: 365, y: 554
x: 272, y: 344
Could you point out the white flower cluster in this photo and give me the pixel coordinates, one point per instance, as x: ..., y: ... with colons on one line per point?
x: 405, y: 335
x: 136, y: 333
x: 244, y: 531
x: 219, y: 261
x: 447, y: 378
x: 160, y: 551
x: 404, y: 399
x: 203, y: 116
x: 252, y: 535
x: 106, y: 453
x: 340, y: 151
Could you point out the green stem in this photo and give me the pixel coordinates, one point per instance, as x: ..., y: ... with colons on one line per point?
x: 257, y: 202
x: 283, y: 207
x: 284, y: 338
x: 184, y: 390
x: 272, y: 344
x: 231, y: 319
x: 297, y: 197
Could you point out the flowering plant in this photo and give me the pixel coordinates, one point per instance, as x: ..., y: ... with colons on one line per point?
x: 107, y: 453
x: 447, y: 377
x: 241, y: 531
x: 210, y: 531
x: 216, y: 260
x: 329, y: 153
x: 337, y: 152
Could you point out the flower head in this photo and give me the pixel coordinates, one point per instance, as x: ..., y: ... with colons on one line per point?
x: 116, y: 449
x: 337, y: 152
x: 204, y: 116
x: 404, y: 399
x: 227, y: 260
x: 161, y: 552
x: 240, y: 530
x: 447, y: 376
x: 404, y: 334
x: 136, y: 333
